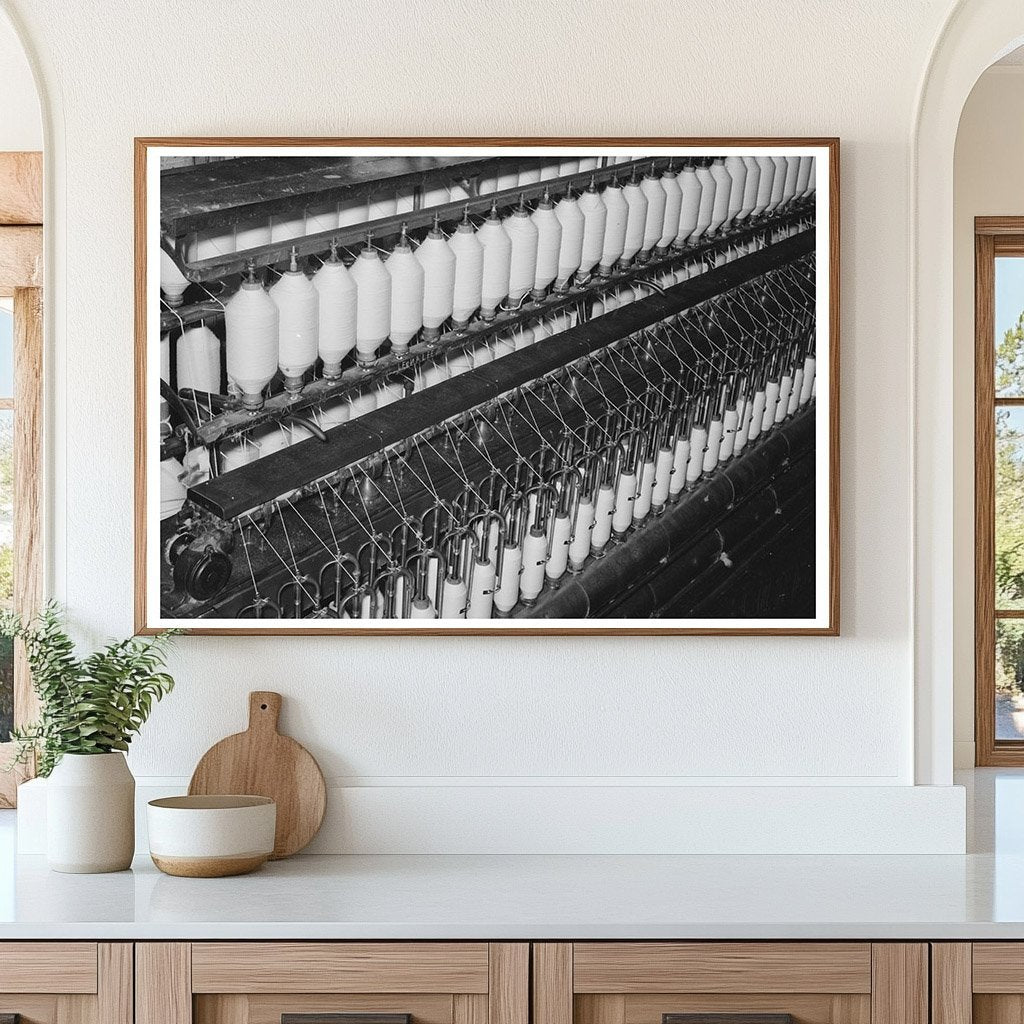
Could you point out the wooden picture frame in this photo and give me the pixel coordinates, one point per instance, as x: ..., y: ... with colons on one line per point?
x: 152, y: 232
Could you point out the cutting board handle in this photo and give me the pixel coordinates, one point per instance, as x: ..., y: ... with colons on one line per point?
x: 264, y: 710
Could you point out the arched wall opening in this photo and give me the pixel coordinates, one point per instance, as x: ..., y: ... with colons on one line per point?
x: 977, y: 34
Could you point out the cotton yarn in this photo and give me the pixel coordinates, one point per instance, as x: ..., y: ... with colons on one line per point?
x: 298, y: 329
x: 251, y: 320
x: 523, y: 266
x: 373, y: 308
x: 570, y: 252
x: 469, y: 270
x: 337, y: 311
x: 197, y: 355
x: 497, y: 264
x: 406, y: 294
x: 438, y: 262
x: 549, y: 242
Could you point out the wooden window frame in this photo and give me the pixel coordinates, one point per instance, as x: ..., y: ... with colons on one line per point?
x: 21, y: 278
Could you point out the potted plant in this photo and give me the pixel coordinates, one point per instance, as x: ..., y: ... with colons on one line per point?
x: 89, y: 709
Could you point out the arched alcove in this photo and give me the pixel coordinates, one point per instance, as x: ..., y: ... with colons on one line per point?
x: 976, y: 34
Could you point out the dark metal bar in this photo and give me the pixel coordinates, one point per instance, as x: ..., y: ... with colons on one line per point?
x: 251, y: 486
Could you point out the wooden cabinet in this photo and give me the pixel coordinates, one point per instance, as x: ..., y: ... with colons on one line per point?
x: 978, y: 983
x: 760, y: 982
x: 66, y: 982
x: 259, y: 982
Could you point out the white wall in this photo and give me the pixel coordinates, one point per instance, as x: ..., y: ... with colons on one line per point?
x: 987, y: 181
x: 21, y: 127
x: 692, y: 711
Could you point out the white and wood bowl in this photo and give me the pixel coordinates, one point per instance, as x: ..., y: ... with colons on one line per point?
x: 211, y: 836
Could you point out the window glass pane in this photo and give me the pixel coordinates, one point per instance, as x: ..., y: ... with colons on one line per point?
x: 1009, y: 508
x: 6, y: 566
x: 1009, y: 323
x: 1009, y: 679
x: 6, y: 352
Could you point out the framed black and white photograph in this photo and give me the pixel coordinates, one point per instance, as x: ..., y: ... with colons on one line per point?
x: 487, y: 385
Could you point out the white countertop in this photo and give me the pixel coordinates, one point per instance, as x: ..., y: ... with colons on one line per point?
x: 980, y: 895
x: 496, y: 897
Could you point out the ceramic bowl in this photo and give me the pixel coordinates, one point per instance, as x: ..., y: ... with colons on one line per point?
x: 211, y: 836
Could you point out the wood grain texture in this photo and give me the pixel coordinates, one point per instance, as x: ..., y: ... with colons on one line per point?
x: 115, y: 996
x: 262, y: 762
x: 998, y: 967
x: 434, y: 1008
x: 224, y: 1009
x: 163, y: 983
x: 984, y: 503
x: 817, y: 1008
x: 64, y: 967
x: 600, y: 1009
x: 21, y: 258
x: 951, y: 983
x: 467, y: 1009
x: 508, y: 990
x: 143, y: 623
x: 721, y: 967
x: 552, y: 983
x: 339, y: 967
x: 998, y: 1009
x: 899, y: 983
x: 32, y: 1009
x: 21, y: 188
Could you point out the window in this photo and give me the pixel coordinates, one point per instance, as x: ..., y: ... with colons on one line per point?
x: 999, y: 491
x: 21, y: 364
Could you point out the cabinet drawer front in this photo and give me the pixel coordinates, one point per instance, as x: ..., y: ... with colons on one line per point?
x: 636, y: 967
x: 998, y: 967
x: 58, y: 967
x: 339, y: 967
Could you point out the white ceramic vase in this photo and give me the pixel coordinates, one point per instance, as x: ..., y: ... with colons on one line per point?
x: 90, y: 814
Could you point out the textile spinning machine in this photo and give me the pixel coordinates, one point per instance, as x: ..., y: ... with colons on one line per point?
x: 488, y: 387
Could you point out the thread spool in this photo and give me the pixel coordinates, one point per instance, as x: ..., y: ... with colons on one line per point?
x: 337, y: 305
x: 285, y: 229
x: 405, y: 201
x: 497, y: 263
x: 737, y: 171
x: 708, y: 187
x: 233, y: 455
x: 216, y: 242
x: 353, y: 211
x: 298, y: 329
x: 779, y: 183
x: 589, y: 163
x: 750, y: 188
x: 333, y: 414
x: 172, y: 488
x: 595, y: 216
x: 320, y: 218
x: 804, y: 175
x: 524, y: 337
x: 373, y: 308
x: 436, y: 196
x: 523, y: 265
x: 469, y: 271
x: 362, y: 403
x: 406, y: 274
x: 636, y: 219
x: 252, y: 326
x: 438, y: 262
x: 765, y: 181
x: 506, y: 179
x: 570, y: 251
x: 615, y: 226
x: 457, y: 193
x: 252, y: 233
x: 723, y: 192
x: 198, y: 360
x: 172, y: 281
x: 529, y: 173
x: 654, y: 193
x: 567, y: 167
x: 792, y: 172
x: 549, y: 171
x: 549, y: 242
x: 673, y: 209
x: 381, y: 205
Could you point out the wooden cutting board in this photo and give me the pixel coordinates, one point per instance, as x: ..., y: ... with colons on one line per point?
x: 262, y: 762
